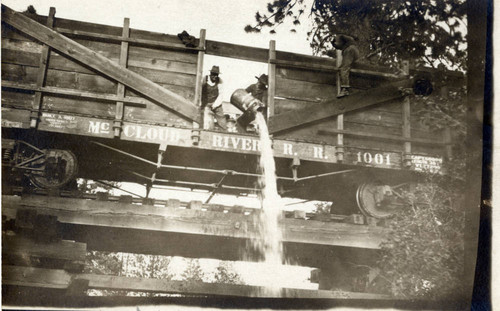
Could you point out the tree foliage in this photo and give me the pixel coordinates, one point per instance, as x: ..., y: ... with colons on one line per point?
x: 424, y: 254
x: 224, y: 273
x: 193, y: 271
x: 428, y: 32
x: 92, y: 187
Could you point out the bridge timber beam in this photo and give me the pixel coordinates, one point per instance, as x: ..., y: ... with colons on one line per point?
x: 60, y: 279
x: 114, y: 226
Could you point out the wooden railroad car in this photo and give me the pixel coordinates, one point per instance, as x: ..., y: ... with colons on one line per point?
x: 114, y: 103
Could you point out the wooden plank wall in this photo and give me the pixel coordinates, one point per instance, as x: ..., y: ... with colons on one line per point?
x: 174, y: 70
x: 300, y: 88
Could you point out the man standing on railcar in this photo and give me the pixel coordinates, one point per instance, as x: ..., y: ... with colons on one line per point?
x: 259, y: 90
x: 350, y: 54
x: 211, y: 100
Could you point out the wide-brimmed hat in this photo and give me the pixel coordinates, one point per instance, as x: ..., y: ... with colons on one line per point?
x: 263, y: 78
x: 215, y: 69
x: 343, y: 38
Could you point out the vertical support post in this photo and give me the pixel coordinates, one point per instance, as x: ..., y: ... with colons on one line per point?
x: 120, y: 92
x: 161, y: 151
x: 338, y: 63
x: 406, y: 115
x: 271, y: 90
x: 339, y: 151
x: 199, y: 73
x: 42, y: 74
x: 447, y: 141
x: 406, y: 131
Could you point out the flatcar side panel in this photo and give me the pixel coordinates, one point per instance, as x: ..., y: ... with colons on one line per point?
x: 76, y: 125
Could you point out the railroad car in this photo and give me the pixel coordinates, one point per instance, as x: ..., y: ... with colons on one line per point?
x: 82, y: 100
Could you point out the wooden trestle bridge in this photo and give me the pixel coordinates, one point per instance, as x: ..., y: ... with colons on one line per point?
x: 59, y: 230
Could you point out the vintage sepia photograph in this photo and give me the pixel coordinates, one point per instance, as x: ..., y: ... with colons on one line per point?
x: 268, y: 153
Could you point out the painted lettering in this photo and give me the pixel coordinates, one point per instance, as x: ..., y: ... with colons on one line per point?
x: 217, y: 141
x: 287, y: 149
x: 368, y: 158
x: 98, y: 127
x: 246, y: 144
x: 138, y: 132
x: 152, y: 133
x: 94, y: 127
x: 424, y: 163
x: 318, y: 152
x: 255, y: 145
x: 174, y: 135
x: 105, y: 128
x: 129, y: 131
x: 235, y: 141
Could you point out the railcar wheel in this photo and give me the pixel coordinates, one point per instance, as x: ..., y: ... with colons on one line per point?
x: 59, y: 167
x: 377, y: 200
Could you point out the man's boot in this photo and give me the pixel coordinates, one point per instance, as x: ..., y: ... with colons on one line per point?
x: 343, y: 92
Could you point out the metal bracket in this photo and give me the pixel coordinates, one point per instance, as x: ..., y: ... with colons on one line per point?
x: 295, y: 167
x: 149, y: 184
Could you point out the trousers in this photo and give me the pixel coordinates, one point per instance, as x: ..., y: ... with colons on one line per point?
x: 210, y: 115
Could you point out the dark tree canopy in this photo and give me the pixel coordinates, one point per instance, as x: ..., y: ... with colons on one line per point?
x: 427, y: 32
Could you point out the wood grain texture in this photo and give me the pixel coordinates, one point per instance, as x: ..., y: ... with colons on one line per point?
x: 24, y: 89
x: 25, y: 247
x: 334, y: 107
x: 100, y: 63
x: 271, y: 73
x: 42, y: 73
x: 99, y: 213
x: 302, y: 90
x: 53, y: 278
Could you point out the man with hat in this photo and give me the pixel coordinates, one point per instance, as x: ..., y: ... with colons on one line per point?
x: 259, y: 89
x: 211, y: 99
x: 350, y: 54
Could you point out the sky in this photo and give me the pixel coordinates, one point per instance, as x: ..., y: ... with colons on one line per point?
x: 223, y: 20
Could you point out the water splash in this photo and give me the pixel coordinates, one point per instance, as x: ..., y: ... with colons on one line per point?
x: 269, y: 241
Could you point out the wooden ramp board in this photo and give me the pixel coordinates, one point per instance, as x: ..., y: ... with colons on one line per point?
x: 169, y: 231
x: 60, y: 279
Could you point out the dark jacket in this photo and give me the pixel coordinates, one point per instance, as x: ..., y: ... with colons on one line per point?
x: 350, y: 52
x: 209, y: 93
x: 257, y: 90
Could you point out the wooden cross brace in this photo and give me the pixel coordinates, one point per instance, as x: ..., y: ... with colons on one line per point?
x: 356, y: 101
